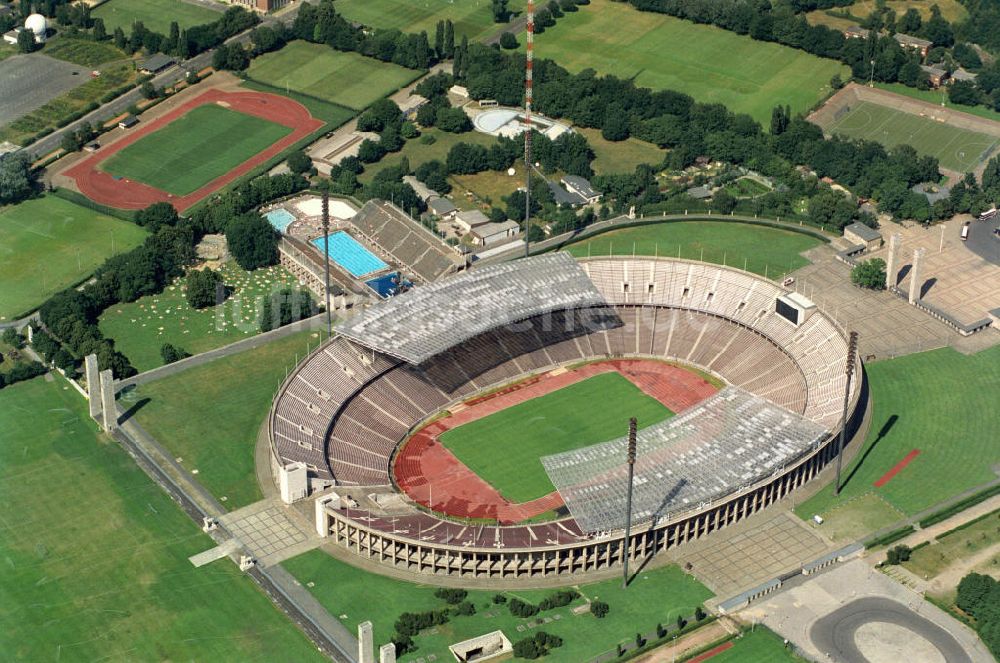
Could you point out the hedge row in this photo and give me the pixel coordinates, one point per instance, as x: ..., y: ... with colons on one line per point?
x: 959, y: 506
x: 889, y: 537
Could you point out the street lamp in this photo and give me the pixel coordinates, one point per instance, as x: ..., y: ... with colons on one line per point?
x: 326, y: 261
x: 630, y: 460
x: 852, y: 350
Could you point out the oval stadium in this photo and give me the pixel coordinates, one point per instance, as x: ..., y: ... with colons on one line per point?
x: 478, y: 427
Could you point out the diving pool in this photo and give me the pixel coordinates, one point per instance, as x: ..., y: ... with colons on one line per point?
x: 280, y: 218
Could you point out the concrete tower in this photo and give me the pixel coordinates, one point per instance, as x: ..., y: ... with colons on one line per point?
x: 916, y: 278
x: 892, y: 260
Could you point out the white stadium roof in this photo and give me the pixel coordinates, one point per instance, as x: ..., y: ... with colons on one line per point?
x: 429, y: 319
x: 728, y: 441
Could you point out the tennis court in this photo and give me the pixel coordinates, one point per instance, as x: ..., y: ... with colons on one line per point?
x: 350, y: 255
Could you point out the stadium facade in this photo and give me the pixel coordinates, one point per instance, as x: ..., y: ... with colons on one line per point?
x: 346, y: 409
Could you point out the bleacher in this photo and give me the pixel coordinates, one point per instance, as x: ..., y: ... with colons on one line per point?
x: 405, y: 241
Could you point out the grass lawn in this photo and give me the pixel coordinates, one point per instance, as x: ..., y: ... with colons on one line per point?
x: 759, y: 248
x: 957, y: 149
x: 745, y: 187
x: 419, y: 151
x: 201, y: 145
x: 56, y: 111
x: 620, y: 157
x: 762, y: 645
x: 210, y: 415
x: 48, y: 244
x: 343, y: 78
x: 154, y: 14
x: 656, y: 596
x: 504, y: 448
x: 488, y: 186
x: 84, y: 52
x: 96, y: 555
x: 140, y: 328
x: 939, y: 402
x: 472, y: 18
x: 930, y: 560
x: 711, y: 64
x: 951, y: 10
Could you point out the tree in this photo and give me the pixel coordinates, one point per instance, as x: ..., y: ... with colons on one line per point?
x: 285, y: 307
x: 723, y: 201
x: 452, y: 120
x: 439, y: 40
x: 16, y: 179
x: 156, y: 216
x: 972, y: 592
x: 253, y: 242
x: 13, y: 338
x: 370, y: 151
x: 508, y: 41
x: 910, y: 22
x: 148, y: 91
x: 100, y: 32
x: 831, y: 208
x: 615, y: 124
x: 964, y: 93
x: 599, y: 609
x: 25, y: 41
x: 898, y: 554
x: 500, y: 12
x: 171, y: 353
x: 869, y: 274
x: 68, y: 142
x: 205, y: 288
x: 299, y: 162
x: 449, y: 39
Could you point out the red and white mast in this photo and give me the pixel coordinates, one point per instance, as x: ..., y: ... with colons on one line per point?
x: 529, y: 62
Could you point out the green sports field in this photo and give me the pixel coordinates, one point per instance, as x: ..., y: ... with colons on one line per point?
x: 654, y: 596
x: 48, y: 244
x: 939, y: 402
x: 956, y: 149
x: 760, y: 249
x: 759, y: 646
x: 201, y: 145
x: 343, y: 78
x: 710, y: 64
x: 472, y: 18
x: 504, y: 448
x: 95, y: 555
x: 210, y: 415
x: 156, y: 15
x: 140, y: 328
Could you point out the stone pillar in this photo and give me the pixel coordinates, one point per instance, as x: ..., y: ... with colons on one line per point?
x: 366, y: 649
x: 30, y: 331
x: 387, y: 653
x: 110, y: 412
x: 93, y: 374
x: 916, y: 279
x: 892, y: 260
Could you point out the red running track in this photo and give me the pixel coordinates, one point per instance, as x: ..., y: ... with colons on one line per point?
x: 128, y: 194
x: 715, y: 651
x: 897, y: 468
x: 434, y: 477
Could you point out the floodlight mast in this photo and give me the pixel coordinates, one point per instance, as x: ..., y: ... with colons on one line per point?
x: 326, y: 262
x: 630, y: 459
x: 528, y: 66
x: 852, y: 351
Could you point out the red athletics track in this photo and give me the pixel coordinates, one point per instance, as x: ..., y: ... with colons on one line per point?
x: 424, y: 469
x: 128, y: 194
x: 897, y: 468
x: 712, y: 652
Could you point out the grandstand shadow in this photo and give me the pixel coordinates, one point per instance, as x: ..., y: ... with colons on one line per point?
x: 886, y: 427
x: 129, y: 413
x: 926, y: 287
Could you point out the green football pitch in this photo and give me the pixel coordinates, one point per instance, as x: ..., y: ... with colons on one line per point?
x: 710, y: 64
x: 95, y: 555
x: 956, y: 149
x: 347, y: 79
x: 759, y: 249
x: 206, y: 142
x: 940, y: 403
x: 504, y: 448
x: 472, y: 18
x: 653, y: 596
x: 156, y: 15
x: 48, y: 244
x: 758, y: 646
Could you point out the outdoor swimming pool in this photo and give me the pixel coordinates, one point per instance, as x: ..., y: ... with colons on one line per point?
x: 349, y: 254
x: 280, y: 219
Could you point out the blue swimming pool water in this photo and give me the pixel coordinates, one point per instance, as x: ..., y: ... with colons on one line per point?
x: 280, y: 219
x: 349, y: 254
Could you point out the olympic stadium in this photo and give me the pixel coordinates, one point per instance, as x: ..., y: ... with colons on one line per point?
x: 753, y: 375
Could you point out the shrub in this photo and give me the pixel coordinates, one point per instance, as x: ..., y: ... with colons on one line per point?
x: 898, y: 554
x: 171, y: 353
x: 519, y: 608
x: 699, y: 614
x: 451, y: 596
x: 599, y: 609
x: 299, y: 162
x: 465, y: 609
x: 508, y: 41
x: 13, y: 338
x: 498, y: 599
x: 558, y: 600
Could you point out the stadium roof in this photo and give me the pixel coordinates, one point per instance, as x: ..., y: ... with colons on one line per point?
x: 731, y: 440
x: 429, y: 319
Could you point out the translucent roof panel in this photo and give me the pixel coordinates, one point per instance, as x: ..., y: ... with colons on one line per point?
x: 727, y: 442
x: 430, y: 319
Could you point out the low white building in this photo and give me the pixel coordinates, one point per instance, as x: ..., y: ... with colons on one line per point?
x: 581, y: 187
x: 470, y: 219
x: 442, y: 208
x: 491, y: 234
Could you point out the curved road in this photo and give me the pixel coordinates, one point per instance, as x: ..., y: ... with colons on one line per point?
x: 834, y: 634
x: 982, y: 240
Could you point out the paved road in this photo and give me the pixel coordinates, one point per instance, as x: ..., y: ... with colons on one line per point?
x: 982, y: 240
x: 169, y: 77
x: 834, y: 634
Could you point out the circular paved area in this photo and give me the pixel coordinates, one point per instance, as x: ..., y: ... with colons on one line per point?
x: 877, y: 624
